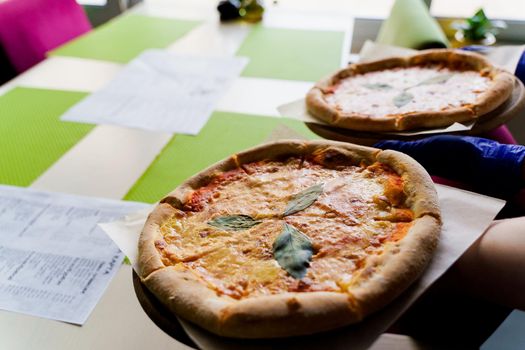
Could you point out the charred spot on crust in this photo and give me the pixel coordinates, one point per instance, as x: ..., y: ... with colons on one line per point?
x: 331, y: 158
x: 173, y: 201
x: 293, y: 304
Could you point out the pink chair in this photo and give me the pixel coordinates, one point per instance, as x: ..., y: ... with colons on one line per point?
x: 501, y: 134
x: 30, y: 28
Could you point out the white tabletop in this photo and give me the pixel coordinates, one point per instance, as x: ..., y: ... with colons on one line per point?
x: 118, y: 321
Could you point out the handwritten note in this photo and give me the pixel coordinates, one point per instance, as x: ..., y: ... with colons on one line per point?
x: 55, y: 262
x: 161, y: 91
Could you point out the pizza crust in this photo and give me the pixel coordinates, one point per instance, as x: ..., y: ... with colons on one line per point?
x: 271, y: 316
x: 399, y: 266
x: 292, y: 314
x: 149, y: 259
x: 415, y: 250
x: 499, y: 91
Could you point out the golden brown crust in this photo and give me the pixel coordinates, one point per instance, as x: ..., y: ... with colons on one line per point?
x: 400, y: 265
x: 184, y: 294
x: 290, y: 314
x: 419, y: 188
x: 149, y: 258
x: 499, y: 91
x: 403, y: 261
x: 275, y: 316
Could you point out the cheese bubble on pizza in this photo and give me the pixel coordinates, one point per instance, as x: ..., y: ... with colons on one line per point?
x: 291, y: 238
x: 434, y: 88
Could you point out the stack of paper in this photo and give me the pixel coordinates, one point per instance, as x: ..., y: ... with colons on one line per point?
x: 55, y: 262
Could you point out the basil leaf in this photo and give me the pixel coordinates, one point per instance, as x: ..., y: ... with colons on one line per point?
x: 402, y: 99
x: 233, y: 222
x: 303, y: 199
x: 438, y: 79
x: 378, y: 86
x: 293, y: 251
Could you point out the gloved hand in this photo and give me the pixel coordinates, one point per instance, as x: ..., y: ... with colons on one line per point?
x: 493, y: 167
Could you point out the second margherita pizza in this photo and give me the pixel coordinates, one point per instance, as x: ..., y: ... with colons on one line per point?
x: 291, y: 238
x: 434, y: 88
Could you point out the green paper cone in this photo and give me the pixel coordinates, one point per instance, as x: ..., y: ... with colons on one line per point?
x: 410, y: 25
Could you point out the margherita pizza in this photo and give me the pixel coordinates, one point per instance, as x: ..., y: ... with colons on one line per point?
x: 291, y: 238
x: 434, y: 88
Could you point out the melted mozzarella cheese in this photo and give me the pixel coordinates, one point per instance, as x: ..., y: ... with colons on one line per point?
x: 345, y: 225
x: 357, y: 95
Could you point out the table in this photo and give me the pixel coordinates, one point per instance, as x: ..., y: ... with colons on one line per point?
x: 107, y: 161
x: 119, y: 163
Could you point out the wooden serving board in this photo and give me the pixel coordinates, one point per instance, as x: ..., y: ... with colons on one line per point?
x: 501, y: 115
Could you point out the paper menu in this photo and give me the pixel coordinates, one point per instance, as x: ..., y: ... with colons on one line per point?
x: 161, y: 91
x: 55, y: 262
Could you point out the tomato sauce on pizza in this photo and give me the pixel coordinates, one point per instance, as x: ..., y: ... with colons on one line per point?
x: 290, y: 238
x: 430, y: 89
x: 360, y: 209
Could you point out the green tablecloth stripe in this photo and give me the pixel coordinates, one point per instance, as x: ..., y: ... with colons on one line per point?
x: 223, y: 135
x: 123, y: 38
x: 291, y: 54
x: 32, y: 137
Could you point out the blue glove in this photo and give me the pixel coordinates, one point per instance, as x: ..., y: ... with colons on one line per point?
x: 492, y: 167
